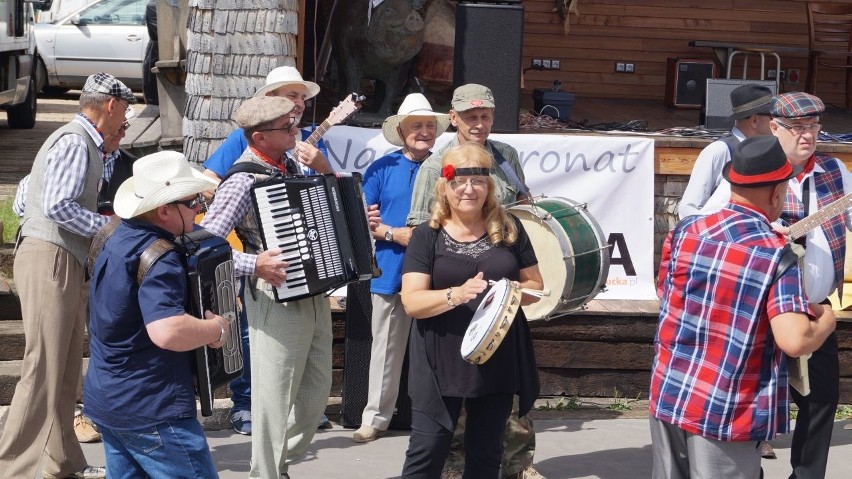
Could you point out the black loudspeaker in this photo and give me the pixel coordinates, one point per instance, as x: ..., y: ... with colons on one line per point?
x: 717, y: 108
x: 686, y: 82
x: 356, y: 363
x: 489, y: 51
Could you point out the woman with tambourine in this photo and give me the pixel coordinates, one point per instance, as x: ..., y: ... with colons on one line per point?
x: 469, y: 240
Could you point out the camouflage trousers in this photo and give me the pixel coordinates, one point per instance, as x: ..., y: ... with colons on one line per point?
x: 518, y: 444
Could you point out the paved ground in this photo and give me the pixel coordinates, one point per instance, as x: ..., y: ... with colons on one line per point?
x: 566, y: 448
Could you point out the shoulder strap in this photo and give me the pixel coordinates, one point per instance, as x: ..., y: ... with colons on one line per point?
x: 160, y: 247
x: 510, y: 173
x: 788, y: 258
x: 250, y: 167
x: 150, y: 256
x: 100, y: 240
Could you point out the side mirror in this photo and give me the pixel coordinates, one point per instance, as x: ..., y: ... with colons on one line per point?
x: 75, y: 19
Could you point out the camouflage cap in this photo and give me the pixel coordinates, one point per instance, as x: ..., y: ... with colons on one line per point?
x: 110, y: 85
x: 471, y: 96
x: 262, y: 109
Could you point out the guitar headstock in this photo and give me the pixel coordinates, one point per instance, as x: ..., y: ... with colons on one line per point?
x: 345, y: 109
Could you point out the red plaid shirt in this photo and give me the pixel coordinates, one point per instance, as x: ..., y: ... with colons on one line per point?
x: 717, y: 371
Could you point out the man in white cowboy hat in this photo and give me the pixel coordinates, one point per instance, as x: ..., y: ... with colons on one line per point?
x: 287, y: 82
x: 291, y: 341
x: 472, y: 114
x: 140, y: 378
x: 58, y: 201
x: 388, y: 183
x: 283, y: 81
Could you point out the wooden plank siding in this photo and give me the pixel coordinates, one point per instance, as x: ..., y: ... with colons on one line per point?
x: 647, y: 32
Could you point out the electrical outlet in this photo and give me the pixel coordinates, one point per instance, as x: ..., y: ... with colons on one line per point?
x: 536, y: 62
x: 619, y: 67
x: 555, y: 64
x: 546, y: 64
x: 629, y: 68
x: 770, y: 74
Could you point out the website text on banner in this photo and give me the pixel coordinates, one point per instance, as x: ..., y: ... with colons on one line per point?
x: 613, y: 175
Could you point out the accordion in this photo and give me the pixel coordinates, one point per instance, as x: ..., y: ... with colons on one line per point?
x: 320, y: 224
x: 212, y: 286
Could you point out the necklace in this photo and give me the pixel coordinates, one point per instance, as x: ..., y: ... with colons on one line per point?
x: 410, y: 155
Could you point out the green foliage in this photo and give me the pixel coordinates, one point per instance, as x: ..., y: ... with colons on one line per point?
x: 563, y: 404
x: 620, y: 403
x: 10, y: 220
x: 844, y: 411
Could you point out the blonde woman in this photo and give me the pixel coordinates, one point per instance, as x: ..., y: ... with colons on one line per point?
x: 468, y: 240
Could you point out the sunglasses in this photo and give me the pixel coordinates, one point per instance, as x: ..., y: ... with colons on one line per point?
x: 191, y: 204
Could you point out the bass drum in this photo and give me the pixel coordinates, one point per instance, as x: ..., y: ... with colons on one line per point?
x: 562, y: 228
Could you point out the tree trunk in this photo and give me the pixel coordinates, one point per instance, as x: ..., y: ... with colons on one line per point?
x: 231, y: 46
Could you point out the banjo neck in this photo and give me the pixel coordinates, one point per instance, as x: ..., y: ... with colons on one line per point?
x: 801, y: 228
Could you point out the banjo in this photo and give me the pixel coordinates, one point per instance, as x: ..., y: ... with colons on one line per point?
x: 798, y: 367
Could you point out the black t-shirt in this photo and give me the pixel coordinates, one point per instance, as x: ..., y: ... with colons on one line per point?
x: 450, y: 263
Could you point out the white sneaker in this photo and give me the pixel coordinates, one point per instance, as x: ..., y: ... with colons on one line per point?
x: 367, y: 434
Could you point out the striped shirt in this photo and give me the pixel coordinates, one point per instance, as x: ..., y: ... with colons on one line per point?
x: 717, y: 371
x: 65, y: 172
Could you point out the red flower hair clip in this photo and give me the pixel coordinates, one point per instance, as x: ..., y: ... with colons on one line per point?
x: 449, y: 172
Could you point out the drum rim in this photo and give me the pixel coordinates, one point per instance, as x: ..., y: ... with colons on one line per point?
x: 505, y: 312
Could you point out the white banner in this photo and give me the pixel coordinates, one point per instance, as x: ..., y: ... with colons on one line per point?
x: 613, y: 175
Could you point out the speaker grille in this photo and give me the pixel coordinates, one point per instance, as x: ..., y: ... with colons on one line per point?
x: 686, y: 82
x: 718, y: 106
x: 489, y: 50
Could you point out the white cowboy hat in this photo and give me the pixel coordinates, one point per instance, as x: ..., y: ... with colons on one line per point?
x: 414, y: 104
x: 286, y: 75
x: 159, y: 179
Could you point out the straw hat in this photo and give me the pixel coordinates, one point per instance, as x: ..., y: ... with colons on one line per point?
x: 414, y: 104
x: 286, y: 75
x: 159, y: 179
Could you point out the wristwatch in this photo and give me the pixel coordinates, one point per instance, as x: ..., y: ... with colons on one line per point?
x: 389, y: 235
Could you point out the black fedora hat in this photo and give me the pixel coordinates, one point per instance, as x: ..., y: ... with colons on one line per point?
x: 758, y: 161
x: 750, y: 99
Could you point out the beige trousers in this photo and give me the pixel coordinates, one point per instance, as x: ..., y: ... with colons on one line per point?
x: 290, y: 377
x: 390, y: 327
x: 54, y: 295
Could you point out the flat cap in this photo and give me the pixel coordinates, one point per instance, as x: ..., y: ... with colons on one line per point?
x: 472, y: 95
x: 796, y: 104
x: 105, y: 83
x: 262, y: 109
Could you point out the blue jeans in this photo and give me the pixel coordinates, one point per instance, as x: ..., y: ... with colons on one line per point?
x: 173, y: 450
x: 241, y: 386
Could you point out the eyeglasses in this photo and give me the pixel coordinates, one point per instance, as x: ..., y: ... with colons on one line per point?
x: 289, y: 126
x: 800, y: 129
x: 460, y: 184
x: 191, y: 204
x: 124, y: 126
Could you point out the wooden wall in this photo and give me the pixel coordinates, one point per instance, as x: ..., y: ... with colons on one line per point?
x: 647, y: 32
